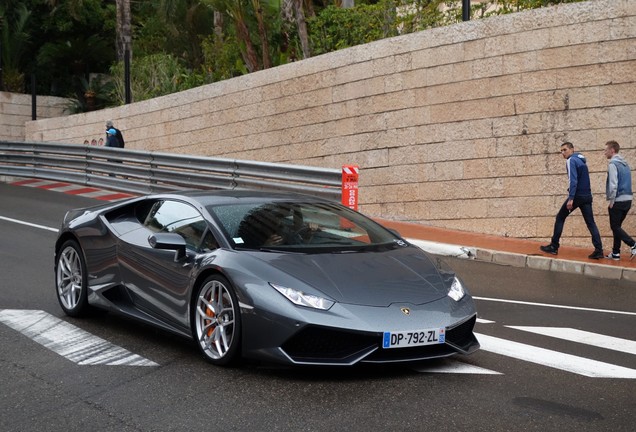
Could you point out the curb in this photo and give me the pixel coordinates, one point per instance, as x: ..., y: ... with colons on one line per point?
x: 537, y: 262
x: 69, y: 188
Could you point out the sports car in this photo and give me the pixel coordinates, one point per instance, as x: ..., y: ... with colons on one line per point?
x: 277, y: 277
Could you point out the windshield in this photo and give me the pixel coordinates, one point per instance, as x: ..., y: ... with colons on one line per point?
x: 301, y: 227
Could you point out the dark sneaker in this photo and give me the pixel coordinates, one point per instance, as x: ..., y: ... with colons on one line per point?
x: 596, y: 255
x: 633, y: 252
x: 552, y: 250
x: 613, y: 256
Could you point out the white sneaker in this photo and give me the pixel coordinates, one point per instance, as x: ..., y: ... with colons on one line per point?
x: 633, y: 250
x: 613, y: 256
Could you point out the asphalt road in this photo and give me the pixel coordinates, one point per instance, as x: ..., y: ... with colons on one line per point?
x: 522, y: 380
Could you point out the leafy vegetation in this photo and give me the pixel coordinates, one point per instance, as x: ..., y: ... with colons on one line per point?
x: 14, y: 38
x: 72, y: 47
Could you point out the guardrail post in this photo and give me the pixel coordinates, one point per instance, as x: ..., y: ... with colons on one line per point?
x: 152, y: 165
x: 350, y: 186
x: 88, y: 172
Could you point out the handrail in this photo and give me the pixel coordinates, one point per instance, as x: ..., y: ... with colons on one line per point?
x: 148, y: 172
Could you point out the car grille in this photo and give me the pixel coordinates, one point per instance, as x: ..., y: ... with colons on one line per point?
x: 410, y: 354
x: 325, y: 345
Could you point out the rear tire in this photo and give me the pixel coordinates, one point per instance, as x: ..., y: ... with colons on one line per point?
x: 216, y: 321
x: 71, y: 280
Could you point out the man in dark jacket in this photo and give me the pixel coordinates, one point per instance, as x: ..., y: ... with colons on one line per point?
x: 111, y: 138
x: 118, y: 134
x: 580, y: 196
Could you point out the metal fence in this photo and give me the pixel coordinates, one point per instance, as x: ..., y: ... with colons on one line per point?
x: 145, y: 172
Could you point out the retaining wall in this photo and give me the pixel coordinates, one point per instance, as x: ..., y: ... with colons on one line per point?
x: 15, y: 111
x: 456, y: 127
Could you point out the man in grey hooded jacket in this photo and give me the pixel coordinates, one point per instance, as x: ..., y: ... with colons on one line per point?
x: 618, y: 191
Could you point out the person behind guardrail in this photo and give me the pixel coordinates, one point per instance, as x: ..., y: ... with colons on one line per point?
x: 118, y: 134
x: 111, y: 138
x: 111, y: 141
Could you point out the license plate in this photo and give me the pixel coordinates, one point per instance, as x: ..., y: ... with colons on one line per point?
x: 413, y: 338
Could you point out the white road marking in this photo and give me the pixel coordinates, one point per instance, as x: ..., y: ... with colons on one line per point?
x: 97, y: 193
x: 584, y: 337
x: 554, y: 359
x: 28, y: 224
x: 69, y: 341
x: 38, y: 183
x: 555, y: 306
x: 484, y: 321
x: 66, y: 188
x: 455, y: 367
x: 84, y: 348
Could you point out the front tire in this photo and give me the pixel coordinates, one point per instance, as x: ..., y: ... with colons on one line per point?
x: 216, y: 321
x: 71, y: 280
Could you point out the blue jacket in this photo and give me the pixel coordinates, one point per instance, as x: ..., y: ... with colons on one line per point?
x: 111, y: 141
x: 115, y: 139
x: 579, y: 177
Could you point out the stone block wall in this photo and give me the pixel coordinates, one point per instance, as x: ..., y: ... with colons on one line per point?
x: 456, y: 127
x: 15, y: 111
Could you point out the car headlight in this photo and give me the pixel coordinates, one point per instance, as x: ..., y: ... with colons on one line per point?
x: 303, y: 299
x: 456, y: 291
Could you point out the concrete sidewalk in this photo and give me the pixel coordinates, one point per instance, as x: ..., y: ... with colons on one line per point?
x: 513, y: 252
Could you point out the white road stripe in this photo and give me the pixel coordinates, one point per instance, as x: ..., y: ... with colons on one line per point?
x: 455, y: 367
x: 555, y: 306
x: 484, y: 321
x: 584, y: 337
x: 28, y: 224
x: 69, y: 341
x: 66, y: 188
x: 38, y: 183
x: 97, y: 193
x: 554, y: 359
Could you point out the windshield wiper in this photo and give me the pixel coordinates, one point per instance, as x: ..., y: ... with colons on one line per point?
x: 279, y: 250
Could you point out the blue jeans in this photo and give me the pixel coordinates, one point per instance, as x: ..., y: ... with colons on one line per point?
x: 585, y: 204
x: 617, y: 215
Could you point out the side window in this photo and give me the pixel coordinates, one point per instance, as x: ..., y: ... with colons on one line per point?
x: 209, y: 242
x: 177, y: 217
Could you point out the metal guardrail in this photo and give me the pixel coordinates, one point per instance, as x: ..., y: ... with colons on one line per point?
x: 148, y: 172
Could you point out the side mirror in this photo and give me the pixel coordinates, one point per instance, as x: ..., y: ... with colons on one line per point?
x: 169, y: 241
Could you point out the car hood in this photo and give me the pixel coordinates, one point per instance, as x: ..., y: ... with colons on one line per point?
x: 404, y: 275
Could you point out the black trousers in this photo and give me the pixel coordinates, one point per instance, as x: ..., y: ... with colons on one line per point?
x: 585, y: 204
x: 617, y: 215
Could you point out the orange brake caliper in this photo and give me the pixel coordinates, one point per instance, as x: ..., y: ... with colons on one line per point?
x: 209, y: 312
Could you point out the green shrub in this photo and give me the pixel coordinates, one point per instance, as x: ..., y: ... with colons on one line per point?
x: 336, y: 28
x: 153, y: 76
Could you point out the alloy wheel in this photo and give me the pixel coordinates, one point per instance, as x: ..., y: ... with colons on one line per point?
x: 216, y: 321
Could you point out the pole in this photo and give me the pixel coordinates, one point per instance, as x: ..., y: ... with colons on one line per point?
x: 1, y: 82
x: 465, y: 10
x: 34, y: 99
x: 127, y: 74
